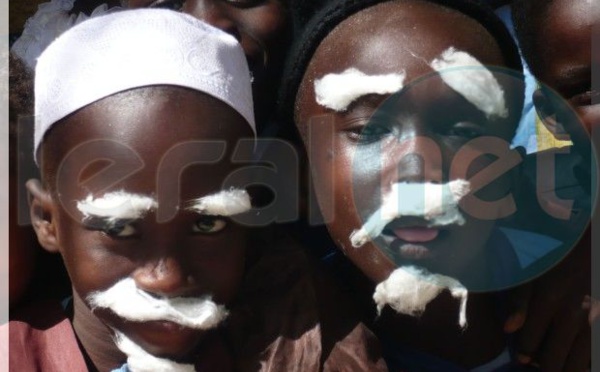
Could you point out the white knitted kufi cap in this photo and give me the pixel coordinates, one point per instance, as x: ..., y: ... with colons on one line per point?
x: 137, y: 48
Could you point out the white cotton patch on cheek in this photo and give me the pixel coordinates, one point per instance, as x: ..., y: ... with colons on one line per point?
x: 136, y: 305
x: 119, y: 205
x: 338, y: 91
x: 436, y: 203
x: 409, y: 289
x: 139, y: 360
x: 473, y: 81
x: 224, y: 203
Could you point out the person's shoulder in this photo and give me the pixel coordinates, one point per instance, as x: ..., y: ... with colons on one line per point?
x: 41, y: 338
x: 291, y: 312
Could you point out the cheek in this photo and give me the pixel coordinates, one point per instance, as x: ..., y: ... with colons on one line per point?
x: 264, y: 30
x: 219, y: 263
x: 590, y: 117
x: 91, y: 263
x: 267, y: 23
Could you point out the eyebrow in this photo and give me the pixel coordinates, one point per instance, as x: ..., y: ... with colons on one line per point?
x: 223, y: 203
x: 472, y: 80
x: 118, y: 205
x: 337, y: 91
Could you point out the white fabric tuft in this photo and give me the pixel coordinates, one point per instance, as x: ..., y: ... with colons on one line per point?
x: 49, y: 21
x: 223, y: 203
x: 119, y: 205
x: 134, y: 304
x: 138, y: 48
x: 472, y: 80
x: 409, y: 289
x: 436, y: 203
x: 139, y: 360
x: 338, y: 91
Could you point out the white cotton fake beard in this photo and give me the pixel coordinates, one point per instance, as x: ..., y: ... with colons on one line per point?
x: 436, y: 203
x: 409, y: 289
x: 133, y: 304
x: 139, y: 360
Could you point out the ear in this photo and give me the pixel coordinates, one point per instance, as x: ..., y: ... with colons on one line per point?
x: 41, y: 209
x: 547, y: 113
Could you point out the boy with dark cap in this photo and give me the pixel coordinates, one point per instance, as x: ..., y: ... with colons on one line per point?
x: 401, y: 104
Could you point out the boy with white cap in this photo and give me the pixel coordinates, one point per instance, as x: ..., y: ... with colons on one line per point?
x: 134, y: 141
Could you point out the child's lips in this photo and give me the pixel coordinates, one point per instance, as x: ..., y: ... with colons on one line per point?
x: 416, y: 234
x: 411, y: 242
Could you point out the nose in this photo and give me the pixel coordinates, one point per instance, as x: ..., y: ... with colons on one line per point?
x: 164, y: 277
x: 415, y: 159
x: 218, y: 14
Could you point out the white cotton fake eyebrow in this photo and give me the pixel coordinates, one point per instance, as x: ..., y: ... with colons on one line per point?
x: 472, y: 80
x: 118, y: 205
x: 338, y: 91
x: 436, y: 203
x: 223, y: 203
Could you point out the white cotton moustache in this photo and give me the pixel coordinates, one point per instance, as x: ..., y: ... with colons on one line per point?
x: 436, y: 203
x: 134, y: 304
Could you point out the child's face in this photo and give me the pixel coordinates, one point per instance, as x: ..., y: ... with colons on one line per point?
x: 567, y: 59
x: 261, y: 27
x: 352, y: 167
x: 190, y: 255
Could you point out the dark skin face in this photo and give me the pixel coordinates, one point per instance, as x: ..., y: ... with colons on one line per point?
x: 554, y: 329
x: 566, y: 60
x: 189, y: 255
x: 375, y: 43
x: 261, y: 26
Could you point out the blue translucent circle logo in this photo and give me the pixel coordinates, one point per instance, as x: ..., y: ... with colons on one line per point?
x: 439, y: 181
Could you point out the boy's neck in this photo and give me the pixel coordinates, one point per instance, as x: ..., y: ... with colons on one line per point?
x: 95, y: 338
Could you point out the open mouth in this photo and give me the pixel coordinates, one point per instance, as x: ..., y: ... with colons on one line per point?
x: 413, y: 238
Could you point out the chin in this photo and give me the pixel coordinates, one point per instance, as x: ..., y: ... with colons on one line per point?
x: 166, y: 339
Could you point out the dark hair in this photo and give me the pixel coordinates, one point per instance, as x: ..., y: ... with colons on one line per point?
x: 20, y: 81
x: 526, y: 16
x: 337, y: 11
x: 302, y: 11
x: 20, y: 103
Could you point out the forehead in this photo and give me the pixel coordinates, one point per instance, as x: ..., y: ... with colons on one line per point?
x: 397, y: 34
x: 151, y: 119
x: 143, y: 131
x: 564, y: 39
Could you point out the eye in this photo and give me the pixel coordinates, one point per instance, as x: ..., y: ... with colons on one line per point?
x: 465, y: 130
x: 112, y: 228
x: 120, y: 230
x: 209, y: 225
x: 244, y: 3
x: 369, y: 133
x: 176, y: 5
